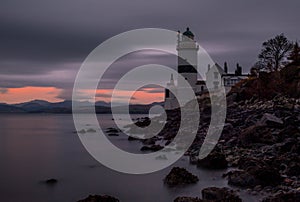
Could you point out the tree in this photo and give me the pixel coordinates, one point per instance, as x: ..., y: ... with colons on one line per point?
x: 274, y: 52
x: 295, y: 54
x: 254, y: 72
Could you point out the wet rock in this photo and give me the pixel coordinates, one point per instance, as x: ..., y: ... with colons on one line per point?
x: 98, y: 198
x: 113, y: 134
x: 112, y: 130
x: 152, y: 148
x: 220, y: 195
x: 284, y: 197
x: 263, y: 173
x: 91, y: 130
x: 51, y: 181
x: 193, y: 160
x: 150, y: 141
x: 254, y: 172
x: 256, y: 134
x: 143, y: 122
x: 161, y: 157
x: 187, y: 199
x: 82, y: 131
x: 293, y: 169
x: 215, y: 160
x: 241, y: 179
x: 180, y: 176
x: 267, y: 176
x: 270, y: 120
x: 132, y: 138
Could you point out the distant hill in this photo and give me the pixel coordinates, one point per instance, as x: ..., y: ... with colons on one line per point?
x: 65, y: 107
x: 5, y: 108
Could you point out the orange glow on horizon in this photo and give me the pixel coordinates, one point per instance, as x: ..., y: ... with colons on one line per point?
x: 139, y: 97
x: 28, y: 93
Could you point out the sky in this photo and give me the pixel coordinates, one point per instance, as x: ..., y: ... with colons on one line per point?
x: 43, y: 43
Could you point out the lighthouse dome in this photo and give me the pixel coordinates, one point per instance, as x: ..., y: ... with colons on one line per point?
x: 188, y: 33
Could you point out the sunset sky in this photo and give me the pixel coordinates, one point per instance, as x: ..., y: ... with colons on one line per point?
x: 43, y: 43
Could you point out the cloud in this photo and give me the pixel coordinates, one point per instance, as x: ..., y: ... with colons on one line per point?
x: 46, y: 46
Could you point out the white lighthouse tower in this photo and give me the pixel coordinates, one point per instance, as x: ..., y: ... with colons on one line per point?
x: 187, y: 49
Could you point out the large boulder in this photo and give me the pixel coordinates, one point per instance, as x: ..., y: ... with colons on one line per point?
x: 241, y: 179
x: 180, y: 176
x: 98, y: 198
x: 264, y: 173
x: 216, y: 194
x: 254, y: 172
x: 215, y: 160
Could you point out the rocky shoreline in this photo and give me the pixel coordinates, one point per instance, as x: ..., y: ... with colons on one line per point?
x: 260, y: 144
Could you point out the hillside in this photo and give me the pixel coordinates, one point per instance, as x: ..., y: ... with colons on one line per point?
x: 268, y: 85
x: 260, y: 142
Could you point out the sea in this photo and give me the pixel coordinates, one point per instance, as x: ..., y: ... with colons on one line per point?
x: 37, y: 147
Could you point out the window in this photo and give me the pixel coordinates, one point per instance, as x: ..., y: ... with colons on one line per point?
x: 216, y: 75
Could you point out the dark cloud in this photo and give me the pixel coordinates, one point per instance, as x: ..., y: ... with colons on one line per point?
x: 43, y: 43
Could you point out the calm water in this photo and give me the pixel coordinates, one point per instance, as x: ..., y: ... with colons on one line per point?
x: 36, y: 147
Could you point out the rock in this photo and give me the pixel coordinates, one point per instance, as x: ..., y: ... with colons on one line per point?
x: 91, y: 130
x: 254, y: 172
x: 284, y: 197
x: 82, y: 131
x: 51, y: 181
x: 113, y: 134
x: 242, y: 179
x: 215, y: 160
x: 143, y: 122
x: 270, y: 120
x: 180, y: 176
x: 293, y: 169
x: 161, y: 157
x: 131, y: 138
x: 187, y: 199
x: 263, y: 173
x: 227, y: 128
x: 112, y: 130
x: 152, y: 148
x: 220, y: 195
x: 193, y: 160
x: 267, y: 176
x: 98, y: 198
x: 256, y: 134
x: 150, y: 141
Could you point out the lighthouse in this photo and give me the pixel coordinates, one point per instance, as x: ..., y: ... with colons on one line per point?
x: 187, y: 50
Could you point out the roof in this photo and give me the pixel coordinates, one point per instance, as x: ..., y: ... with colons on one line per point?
x: 188, y: 33
x: 218, y: 67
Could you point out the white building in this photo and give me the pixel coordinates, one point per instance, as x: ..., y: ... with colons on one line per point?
x: 187, y: 49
